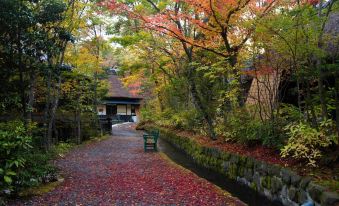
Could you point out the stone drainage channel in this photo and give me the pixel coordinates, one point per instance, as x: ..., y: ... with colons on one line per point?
x: 248, y: 196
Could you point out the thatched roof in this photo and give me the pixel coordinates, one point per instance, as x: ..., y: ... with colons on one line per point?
x: 117, y: 90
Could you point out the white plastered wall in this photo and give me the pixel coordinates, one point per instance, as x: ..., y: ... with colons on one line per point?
x: 101, y: 109
x: 129, y: 112
x: 121, y: 109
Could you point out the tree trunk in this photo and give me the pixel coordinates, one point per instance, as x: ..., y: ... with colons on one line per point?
x: 321, y: 89
x: 95, y: 104
x: 31, y: 96
x: 21, y: 77
x: 78, y: 122
x: 47, y: 106
x: 337, y: 102
x: 57, y: 89
x: 53, y: 112
x: 199, y: 105
x: 56, y: 133
x: 310, y: 105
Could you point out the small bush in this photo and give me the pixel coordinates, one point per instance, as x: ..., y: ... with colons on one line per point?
x: 37, y: 170
x: 21, y: 164
x: 15, y: 144
x: 306, y: 143
x: 61, y: 148
x: 188, y: 120
x: 242, y: 127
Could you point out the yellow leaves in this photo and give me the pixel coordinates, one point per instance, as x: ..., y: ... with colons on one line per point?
x: 83, y: 60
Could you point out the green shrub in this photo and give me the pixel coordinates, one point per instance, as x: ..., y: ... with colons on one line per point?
x: 147, y: 113
x: 21, y: 164
x: 188, y: 120
x: 15, y: 144
x: 37, y: 169
x: 242, y: 127
x: 306, y: 143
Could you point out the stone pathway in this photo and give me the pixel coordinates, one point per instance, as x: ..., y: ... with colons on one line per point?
x: 117, y: 171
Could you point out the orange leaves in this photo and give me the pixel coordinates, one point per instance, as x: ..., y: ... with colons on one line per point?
x: 113, y: 5
x: 313, y: 2
x: 206, y: 24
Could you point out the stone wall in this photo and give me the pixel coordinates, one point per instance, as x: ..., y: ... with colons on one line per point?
x: 275, y: 182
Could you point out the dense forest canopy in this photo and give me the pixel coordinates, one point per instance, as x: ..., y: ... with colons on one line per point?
x: 255, y: 72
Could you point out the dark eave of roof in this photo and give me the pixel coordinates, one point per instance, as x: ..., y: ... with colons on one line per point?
x: 114, y: 102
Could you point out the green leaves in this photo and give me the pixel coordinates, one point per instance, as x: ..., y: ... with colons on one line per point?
x: 129, y: 40
x: 14, y: 146
x: 8, y: 179
x: 52, y: 11
x: 307, y: 143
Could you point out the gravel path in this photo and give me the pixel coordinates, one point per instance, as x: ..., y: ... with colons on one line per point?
x: 117, y: 171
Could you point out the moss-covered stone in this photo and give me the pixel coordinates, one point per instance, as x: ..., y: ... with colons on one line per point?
x: 286, y: 176
x: 265, y: 178
x: 295, y: 179
x: 292, y: 193
x: 253, y: 185
x: 249, y: 162
x: 225, y: 156
x: 256, y: 164
x: 301, y: 196
x: 304, y: 182
x: 276, y: 184
x: 315, y: 191
x: 256, y: 180
x: 215, y: 153
x: 273, y: 170
x: 225, y: 165
x: 263, y: 168
x: 329, y: 198
x: 233, y: 171
x: 266, y: 182
x: 248, y: 174
x: 234, y: 159
x: 220, y: 165
x: 242, y: 161
x: 241, y: 171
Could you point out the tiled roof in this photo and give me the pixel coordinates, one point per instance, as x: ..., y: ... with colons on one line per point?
x: 116, y: 89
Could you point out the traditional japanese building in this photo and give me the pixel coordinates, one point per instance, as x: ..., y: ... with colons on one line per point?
x: 120, y: 104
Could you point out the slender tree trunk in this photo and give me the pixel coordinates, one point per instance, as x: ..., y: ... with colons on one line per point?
x: 321, y: 90
x: 47, y: 105
x: 57, y: 89
x: 337, y: 101
x: 310, y: 105
x: 95, y: 104
x: 21, y: 69
x: 31, y: 95
x: 56, y: 133
x: 55, y: 105
x: 78, y: 122
x: 318, y: 64
x: 299, y: 94
x: 21, y: 77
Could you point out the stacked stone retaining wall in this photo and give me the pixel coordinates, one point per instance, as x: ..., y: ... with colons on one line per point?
x: 273, y: 181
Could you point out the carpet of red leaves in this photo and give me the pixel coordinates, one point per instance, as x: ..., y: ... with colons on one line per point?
x: 117, y: 171
x: 258, y: 152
